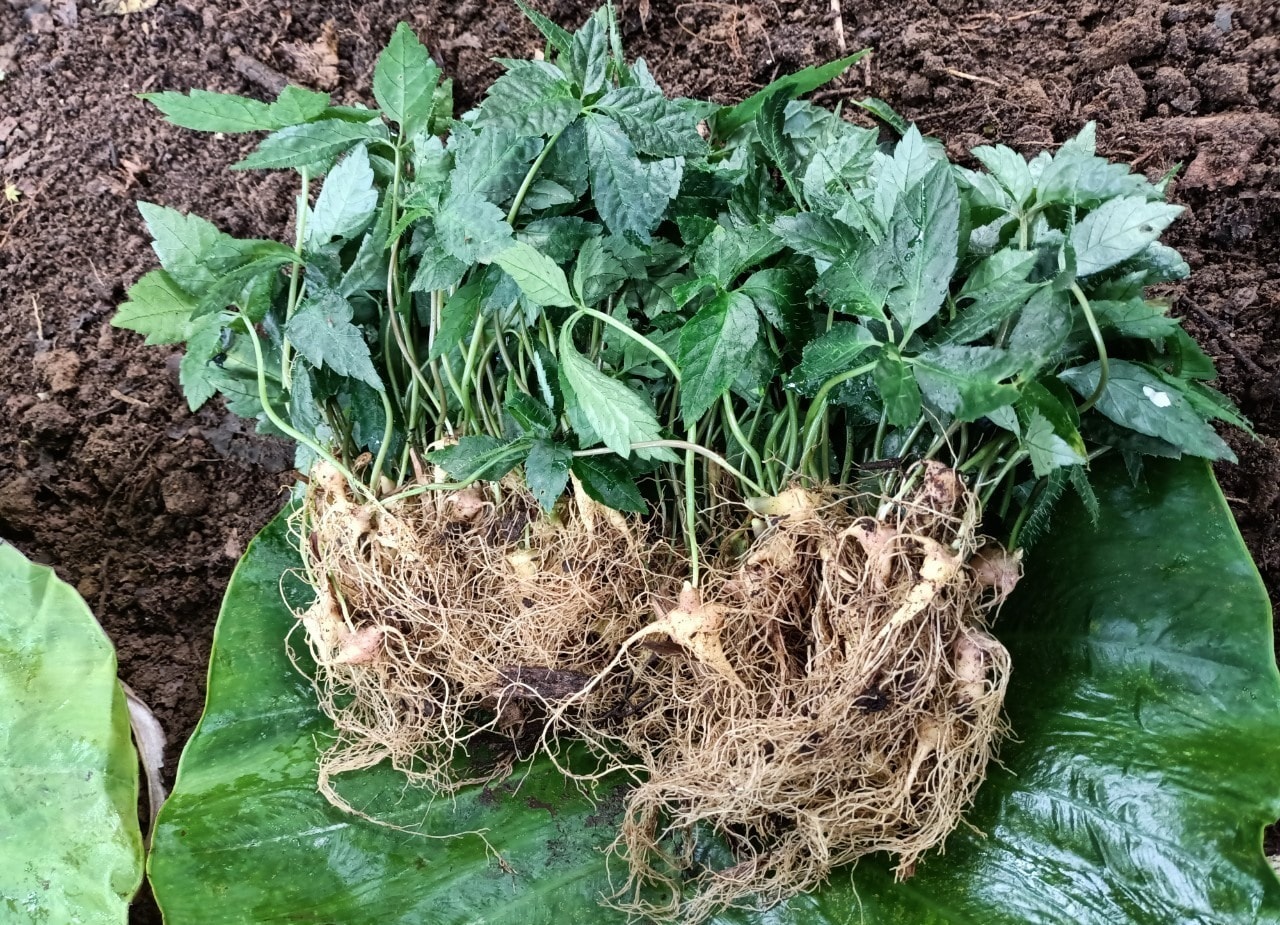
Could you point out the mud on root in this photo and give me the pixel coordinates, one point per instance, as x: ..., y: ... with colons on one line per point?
x: 834, y: 694
x: 445, y: 624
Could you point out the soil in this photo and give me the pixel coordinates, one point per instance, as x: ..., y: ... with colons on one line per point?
x: 145, y: 507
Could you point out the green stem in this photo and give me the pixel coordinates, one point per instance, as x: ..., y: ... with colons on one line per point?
x: 691, y: 505
x: 388, y: 431
x: 1104, y: 370
x: 640, y: 339
x: 748, y: 450
x: 295, y: 279
x: 818, y: 407
x: 688, y: 446
x: 528, y: 178
x: 285, y: 428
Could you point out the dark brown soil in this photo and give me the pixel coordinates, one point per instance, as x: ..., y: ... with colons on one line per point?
x: 145, y: 507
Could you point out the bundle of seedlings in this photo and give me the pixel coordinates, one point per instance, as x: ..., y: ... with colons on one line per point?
x: 709, y: 436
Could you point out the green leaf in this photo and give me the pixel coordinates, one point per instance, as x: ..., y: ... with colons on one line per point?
x: 404, y: 81
x: 309, y: 144
x: 769, y: 128
x: 1010, y: 170
x: 457, y: 320
x: 838, y: 351
x: 70, y: 846
x: 532, y: 98
x: 631, y: 195
x: 781, y: 295
x: 205, y: 111
x: 1046, y: 449
x: 480, y: 457
x: 437, y: 269
x: 492, y: 163
x: 727, y: 252
x: 1079, y: 478
x: 597, y: 274
x: 885, y: 113
x: 606, y: 479
x: 1043, y: 327
x: 531, y: 416
x: 197, y: 376
x: 346, y: 203
x: 922, y: 243
x: 654, y: 124
x: 1080, y: 179
x: 589, y: 53
x: 603, y: 409
x: 1038, y: 399
x: 994, y: 291
x: 296, y: 105
x: 1187, y: 359
x: 965, y: 382
x: 1145, y: 701
x: 1118, y: 229
x: 818, y: 236
x: 182, y: 242
x: 898, y: 389
x: 714, y: 345
x: 538, y: 276
x: 559, y: 38
x: 158, y: 308
x: 731, y: 118
x: 322, y: 331
x: 1137, y: 399
x: 547, y: 471
x: 1137, y: 318
x: 472, y: 229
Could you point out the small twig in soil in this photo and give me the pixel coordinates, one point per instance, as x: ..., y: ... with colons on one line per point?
x: 117, y: 394
x: 1224, y: 337
x: 838, y: 21
x: 974, y: 77
x: 255, y: 71
x: 35, y: 310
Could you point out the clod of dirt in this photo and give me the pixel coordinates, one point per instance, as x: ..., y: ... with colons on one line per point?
x: 1130, y: 39
x: 49, y: 424
x: 19, y: 512
x: 60, y: 370
x: 1223, y: 84
x: 184, y: 494
x: 1171, y: 86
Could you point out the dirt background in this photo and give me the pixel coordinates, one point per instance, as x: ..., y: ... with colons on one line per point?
x: 145, y: 507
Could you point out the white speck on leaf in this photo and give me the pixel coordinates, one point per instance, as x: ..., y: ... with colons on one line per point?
x: 1158, y: 398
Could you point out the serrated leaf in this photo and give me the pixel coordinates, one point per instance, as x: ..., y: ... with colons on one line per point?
x: 1009, y: 169
x: 1116, y: 230
x: 610, y: 411
x: 182, y: 243
x: 205, y: 111
x: 546, y: 470
x: 1187, y: 358
x: 322, y: 331
x: 1137, y: 399
x: 1079, y: 477
x: 559, y: 38
x: 309, y: 144
x: 922, y: 243
x: 296, y: 105
x: 731, y: 118
x: 532, y: 98
x: 480, y: 457
x: 531, y: 416
x: 726, y: 252
x: 545, y: 194
x: 898, y: 388
x: 437, y: 268
x: 597, y: 274
x: 347, y: 201
x: 1137, y: 318
x: 913, y: 159
x: 654, y: 124
x: 818, y: 236
x: 1081, y: 179
x: 965, y: 382
x: 1039, y: 399
x: 994, y: 291
x: 885, y: 113
x: 492, y: 163
x: 472, y: 229
x: 714, y: 344
x: 1045, y: 448
x: 606, y: 480
x: 538, y: 276
x: 197, y: 376
x: 404, y: 81
x: 836, y: 168
x: 769, y: 129
x: 781, y: 295
x: 631, y: 195
x: 838, y: 351
x: 589, y: 53
x: 1042, y: 328
x: 156, y: 307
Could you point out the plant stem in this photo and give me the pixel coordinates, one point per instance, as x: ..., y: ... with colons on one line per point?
x: 304, y: 202
x: 815, y: 415
x: 748, y: 450
x: 689, y: 446
x: 1104, y: 370
x: 640, y: 339
x: 529, y: 177
x: 691, y: 505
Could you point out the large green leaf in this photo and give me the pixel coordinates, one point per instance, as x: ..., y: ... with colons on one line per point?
x: 1145, y: 700
x: 70, y: 846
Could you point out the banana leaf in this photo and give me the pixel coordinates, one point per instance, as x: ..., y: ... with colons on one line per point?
x: 70, y: 844
x: 1145, y: 700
